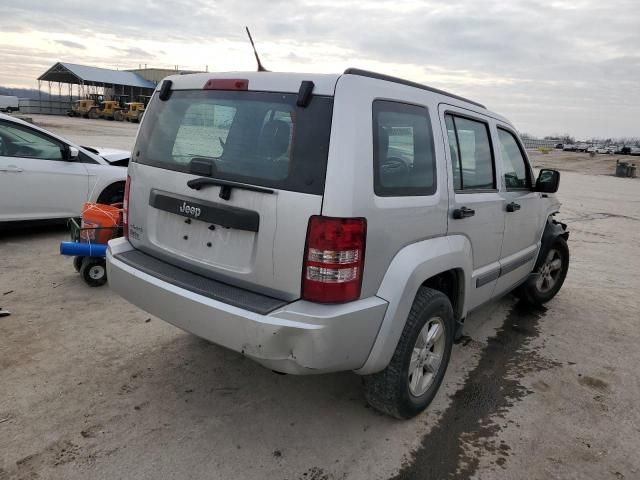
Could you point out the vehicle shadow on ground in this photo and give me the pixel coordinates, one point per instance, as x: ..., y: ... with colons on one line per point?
x: 28, y: 230
x: 206, y: 380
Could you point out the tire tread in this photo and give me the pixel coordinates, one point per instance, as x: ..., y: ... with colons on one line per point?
x: 383, y: 390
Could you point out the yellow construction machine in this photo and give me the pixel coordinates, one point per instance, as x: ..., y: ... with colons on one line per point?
x: 132, y: 113
x: 81, y: 108
x: 107, y: 110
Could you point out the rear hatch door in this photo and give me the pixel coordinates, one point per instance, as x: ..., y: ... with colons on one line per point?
x: 223, y: 184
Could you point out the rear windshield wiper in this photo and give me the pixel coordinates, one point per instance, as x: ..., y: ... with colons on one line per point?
x: 227, y: 185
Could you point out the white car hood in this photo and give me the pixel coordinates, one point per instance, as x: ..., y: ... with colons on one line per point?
x: 112, y: 154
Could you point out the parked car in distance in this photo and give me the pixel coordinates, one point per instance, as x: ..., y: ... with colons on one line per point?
x: 634, y: 150
x: 9, y: 103
x: 314, y: 223
x: 559, y: 146
x: 43, y: 176
x: 624, y: 150
x: 569, y: 147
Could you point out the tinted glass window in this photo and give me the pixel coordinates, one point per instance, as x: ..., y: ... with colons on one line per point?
x: 453, y: 149
x: 19, y: 141
x: 259, y: 138
x: 403, y: 153
x: 203, y: 132
x: 513, y: 162
x: 472, y: 157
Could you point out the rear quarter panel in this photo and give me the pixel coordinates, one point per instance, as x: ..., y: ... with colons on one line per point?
x: 392, y: 222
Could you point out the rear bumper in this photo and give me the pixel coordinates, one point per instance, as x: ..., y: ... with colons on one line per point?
x: 299, y: 338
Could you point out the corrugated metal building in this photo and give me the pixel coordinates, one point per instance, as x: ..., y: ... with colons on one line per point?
x: 83, y: 80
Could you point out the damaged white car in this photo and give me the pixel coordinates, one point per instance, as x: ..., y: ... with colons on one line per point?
x: 44, y: 176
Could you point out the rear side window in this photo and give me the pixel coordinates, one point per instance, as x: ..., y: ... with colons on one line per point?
x: 471, y: 154
x: 514, y: 166
x: 259, y: 138
x: 403, y: 150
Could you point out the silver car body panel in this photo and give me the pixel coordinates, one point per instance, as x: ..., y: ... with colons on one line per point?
x: 409, y: 240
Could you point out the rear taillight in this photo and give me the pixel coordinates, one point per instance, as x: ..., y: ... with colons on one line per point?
x: 333, y: 259
x: 125, y: 208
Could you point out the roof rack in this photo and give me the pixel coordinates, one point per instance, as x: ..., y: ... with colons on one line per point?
x: 389, y: 78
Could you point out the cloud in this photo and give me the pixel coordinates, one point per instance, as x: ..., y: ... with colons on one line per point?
x: 70, y: 44
x: 134, y: 52
x: 547, y: 65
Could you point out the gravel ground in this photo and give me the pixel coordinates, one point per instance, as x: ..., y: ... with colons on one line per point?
x: 93, y: 133
x: 92, y: 387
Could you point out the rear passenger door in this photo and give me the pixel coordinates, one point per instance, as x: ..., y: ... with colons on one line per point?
x: 522, y: 206
x: 476, y: 209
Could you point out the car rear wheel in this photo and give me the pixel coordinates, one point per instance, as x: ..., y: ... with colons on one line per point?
x: 416, y: 370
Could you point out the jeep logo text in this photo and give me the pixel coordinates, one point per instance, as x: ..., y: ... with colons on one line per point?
x: 189, y: 210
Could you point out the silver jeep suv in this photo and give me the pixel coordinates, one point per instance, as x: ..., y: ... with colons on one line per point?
x: 319, y: 223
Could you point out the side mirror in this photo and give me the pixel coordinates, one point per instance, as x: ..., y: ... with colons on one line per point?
x: 548, y: 181
x: 72, y: 153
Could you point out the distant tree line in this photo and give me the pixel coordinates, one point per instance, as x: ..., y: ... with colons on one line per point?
x: 31, y: 93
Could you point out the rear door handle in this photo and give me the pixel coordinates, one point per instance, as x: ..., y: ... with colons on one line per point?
x: 513, y: 207
x: 463, y: 212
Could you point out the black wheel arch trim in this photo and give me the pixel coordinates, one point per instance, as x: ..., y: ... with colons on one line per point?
x: 552, y: 230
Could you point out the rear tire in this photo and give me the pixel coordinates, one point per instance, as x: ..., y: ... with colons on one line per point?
x: 94, y: 271
x: 411, y: 380
x: 548, y: 276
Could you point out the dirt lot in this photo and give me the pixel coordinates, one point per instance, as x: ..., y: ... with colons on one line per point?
x: 95, y: 133
x: 92, y: 387
x: 600, y: 164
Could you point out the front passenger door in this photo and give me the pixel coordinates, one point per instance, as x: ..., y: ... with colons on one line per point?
x: 36, y: 181
x: 522, y: 207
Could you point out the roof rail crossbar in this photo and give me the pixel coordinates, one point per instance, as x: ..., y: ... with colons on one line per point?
x: 389, y: 78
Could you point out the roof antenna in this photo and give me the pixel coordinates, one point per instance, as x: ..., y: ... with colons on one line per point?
x: 255, y: 52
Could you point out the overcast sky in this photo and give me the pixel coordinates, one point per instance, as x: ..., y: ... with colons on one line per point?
x: 549, y: 66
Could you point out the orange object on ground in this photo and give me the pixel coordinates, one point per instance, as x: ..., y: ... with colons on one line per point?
x: 99, y: 222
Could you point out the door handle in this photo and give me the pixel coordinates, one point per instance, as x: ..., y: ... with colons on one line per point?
x: 463, y: 212
x: 513, y: 207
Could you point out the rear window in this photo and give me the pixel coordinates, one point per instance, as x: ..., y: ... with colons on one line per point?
x: 259, y: 138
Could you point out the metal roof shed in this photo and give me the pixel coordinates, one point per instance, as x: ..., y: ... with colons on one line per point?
x: 96, y: 80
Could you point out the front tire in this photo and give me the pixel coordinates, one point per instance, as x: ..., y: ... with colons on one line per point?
x: 411, y: 380
x: 549, y: 275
